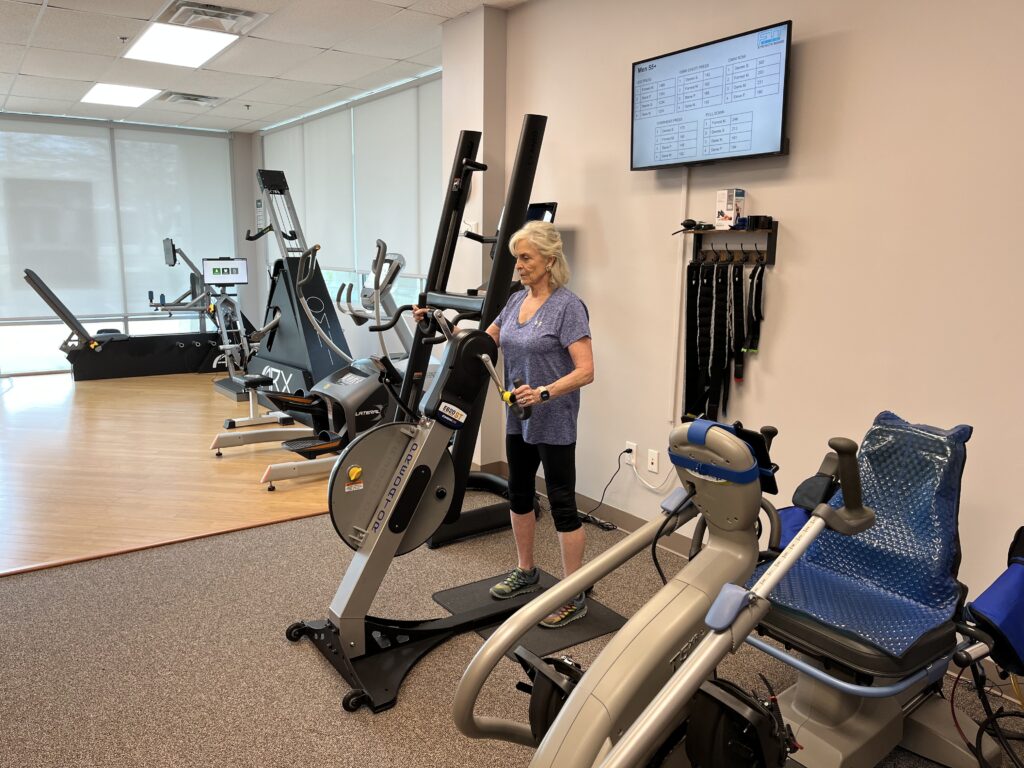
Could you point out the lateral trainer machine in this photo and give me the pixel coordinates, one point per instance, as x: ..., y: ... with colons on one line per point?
x: 348, y: 399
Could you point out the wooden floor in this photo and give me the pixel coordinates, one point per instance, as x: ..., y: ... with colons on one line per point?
x: 93, y: 468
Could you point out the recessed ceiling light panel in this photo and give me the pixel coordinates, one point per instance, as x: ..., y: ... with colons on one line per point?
x: 182, y: 46
x: 119, y: 95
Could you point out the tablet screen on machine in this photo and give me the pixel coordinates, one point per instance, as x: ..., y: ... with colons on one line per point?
x: 225, y: 271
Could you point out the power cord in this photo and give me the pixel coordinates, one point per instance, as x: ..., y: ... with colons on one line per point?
x: 588, y: 516
x: 657, y: 487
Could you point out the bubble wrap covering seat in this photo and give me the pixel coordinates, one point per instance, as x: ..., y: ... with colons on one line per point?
x: 897, y: 580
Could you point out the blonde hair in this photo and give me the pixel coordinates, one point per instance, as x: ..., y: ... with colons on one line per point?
x: 543, y: 236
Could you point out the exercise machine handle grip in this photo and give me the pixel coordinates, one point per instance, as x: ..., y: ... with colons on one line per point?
x: 853, y: 517
x: 849, y: 472
x: 523, y: 412
x: 471, y: 235
x: 393, y: 321
x: 306, y: 262
x: 252, y: 238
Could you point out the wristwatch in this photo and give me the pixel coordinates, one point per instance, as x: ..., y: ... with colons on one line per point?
x: 544, y: 394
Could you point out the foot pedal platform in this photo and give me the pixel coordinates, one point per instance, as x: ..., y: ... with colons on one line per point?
x: 312, y: 447
x: 393, y: 647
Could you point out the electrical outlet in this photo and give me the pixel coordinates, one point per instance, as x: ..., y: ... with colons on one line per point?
x: 631, y: 457
x: 652, y: 460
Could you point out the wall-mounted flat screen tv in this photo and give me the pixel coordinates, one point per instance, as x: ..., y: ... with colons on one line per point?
x: 721, y: 100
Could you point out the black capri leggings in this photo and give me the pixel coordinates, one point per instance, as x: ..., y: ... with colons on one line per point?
x: 559, y: 473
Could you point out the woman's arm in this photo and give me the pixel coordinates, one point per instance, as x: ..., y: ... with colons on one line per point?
x: 494, y: 331
x: 582, y: 354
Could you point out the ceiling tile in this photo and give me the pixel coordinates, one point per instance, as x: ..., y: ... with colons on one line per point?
x: 16, y: 20
x: 253, y: 56
x: 104, y: 111
x: 335, y: 96
x: 431, y: 58
x: 222, y: 84
x: 244, y: 109
x: 323, y: 23
x: 5, y: 83
x: 145, y: 74
x: 10, y: 57
x: 37, y: 106
x: 255, y: 125
x: 74, y: 66
x: 399, y: 3
x: 135, y: 9
x: 179, y: 106
x: 286, y: 91
x: 217, y: 123
x: 155, y: 116
x: 260, y: 6
x: 403, y: 35
x: 85, y: 32
x: 290, y: 113
x: 448, y: 8
x: 398, y: 71
x: 50, y: 88
x: 336, y: 67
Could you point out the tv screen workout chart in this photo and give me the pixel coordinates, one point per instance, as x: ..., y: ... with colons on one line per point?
x: 719, y: 100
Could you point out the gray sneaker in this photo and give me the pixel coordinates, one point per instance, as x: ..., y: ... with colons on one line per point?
x: 519, y: 582
x: 570, y: 612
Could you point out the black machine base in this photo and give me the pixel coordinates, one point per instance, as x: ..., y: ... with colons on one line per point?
x: 146, y: 356
x: 393, y: 647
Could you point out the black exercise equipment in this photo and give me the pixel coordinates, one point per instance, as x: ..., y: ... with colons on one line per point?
x: 293, y: 354
x: 109, y: 354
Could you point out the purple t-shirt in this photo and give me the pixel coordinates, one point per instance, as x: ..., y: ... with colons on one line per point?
x: 537, y: 352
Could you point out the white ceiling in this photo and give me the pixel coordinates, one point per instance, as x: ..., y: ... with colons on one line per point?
x: 306, y: 55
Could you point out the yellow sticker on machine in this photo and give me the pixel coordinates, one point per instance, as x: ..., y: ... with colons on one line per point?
x: 355, y: 478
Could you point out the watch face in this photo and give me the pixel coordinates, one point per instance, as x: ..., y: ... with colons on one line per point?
x: 544, y: 394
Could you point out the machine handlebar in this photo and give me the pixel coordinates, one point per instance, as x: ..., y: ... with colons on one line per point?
x: 260, y: 233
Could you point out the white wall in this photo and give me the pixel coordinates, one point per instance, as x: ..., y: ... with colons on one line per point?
x: 896, y: 279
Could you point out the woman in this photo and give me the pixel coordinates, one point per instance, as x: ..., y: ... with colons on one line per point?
x: 544, y: 335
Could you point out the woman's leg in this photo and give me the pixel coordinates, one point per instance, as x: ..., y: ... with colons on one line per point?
x: 523, y: 460
x: 560, y: 475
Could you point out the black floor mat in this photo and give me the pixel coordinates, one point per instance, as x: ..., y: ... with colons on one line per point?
x: 600, y: 620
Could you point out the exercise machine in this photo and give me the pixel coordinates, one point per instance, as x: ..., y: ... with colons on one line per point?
x: 343, y: 404
x: 651, y: 698
x: 111, y: 354
x: 349, y: 399
x: 724, y: 471
x: 475, y: 305
x: 195, y: 299
x: 389, y: 490
x: 307, y: 343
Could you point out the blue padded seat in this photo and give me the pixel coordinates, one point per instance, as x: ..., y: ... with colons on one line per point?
x: 882, y: 601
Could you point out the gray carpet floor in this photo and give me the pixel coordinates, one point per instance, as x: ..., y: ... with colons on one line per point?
x: 176, y: 656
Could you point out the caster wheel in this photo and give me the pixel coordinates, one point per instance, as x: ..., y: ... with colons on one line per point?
x: 271, y: 487
x: 295, y: 631
x: 218, y: 454
x: 353, y: 700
